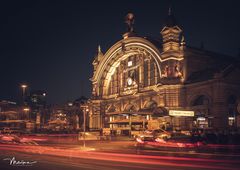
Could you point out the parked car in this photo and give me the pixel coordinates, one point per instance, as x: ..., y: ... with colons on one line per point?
x: 89, y: 136
x: 160, y: 133
x: 143, y: 139
x: 178, y: 139
x: 7, y: 130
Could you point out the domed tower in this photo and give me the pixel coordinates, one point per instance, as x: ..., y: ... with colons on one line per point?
x: 172, y: 49
x: 171, y: 34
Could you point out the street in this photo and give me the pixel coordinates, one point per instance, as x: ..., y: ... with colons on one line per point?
x: 127, y: 85
x: 111, y: 155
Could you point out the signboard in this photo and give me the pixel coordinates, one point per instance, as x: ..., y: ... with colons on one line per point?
x: 181, y: 113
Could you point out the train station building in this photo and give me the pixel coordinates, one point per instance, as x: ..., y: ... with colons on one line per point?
x: 148, y: 83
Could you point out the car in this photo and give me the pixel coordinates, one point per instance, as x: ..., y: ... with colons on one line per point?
x: 7, y: 130
x: 145, y: 138
x: 89, y: 136
x: 159, y: 133
x: 178, y: 139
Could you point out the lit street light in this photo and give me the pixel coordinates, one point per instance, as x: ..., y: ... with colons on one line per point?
x: 23, y: 86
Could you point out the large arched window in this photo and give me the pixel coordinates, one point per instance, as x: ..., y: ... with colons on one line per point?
x: 232, y: 110
x: 200, y: 100
x: 232, y: 105
x: 130, y: 71
x: 201, y: 105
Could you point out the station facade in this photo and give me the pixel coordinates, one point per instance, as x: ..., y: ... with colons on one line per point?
x: 149, y: 83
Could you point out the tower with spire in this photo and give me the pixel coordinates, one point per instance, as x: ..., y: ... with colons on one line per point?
x: 173, y: 44
x: 171, y: 34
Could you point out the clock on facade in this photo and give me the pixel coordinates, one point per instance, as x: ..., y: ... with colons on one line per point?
x: 129, y: 81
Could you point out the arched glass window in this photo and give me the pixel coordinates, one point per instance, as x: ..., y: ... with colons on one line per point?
x: 232, y: 99
x: 145, y: 73
x: 200, y: 100
x: 232, y: 105
x: 127, y: 74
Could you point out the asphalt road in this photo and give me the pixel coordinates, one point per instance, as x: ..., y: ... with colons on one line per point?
x: 57, y: 163
x: 63, y: 152
x: 69, y: 158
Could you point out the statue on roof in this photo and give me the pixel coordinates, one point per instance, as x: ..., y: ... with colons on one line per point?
x: 129, y: 20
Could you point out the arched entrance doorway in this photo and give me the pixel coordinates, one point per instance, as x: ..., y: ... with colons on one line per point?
x: 201, y: 106
x: 232, y: 105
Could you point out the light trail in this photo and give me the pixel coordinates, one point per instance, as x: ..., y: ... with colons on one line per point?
x: 127, y: 158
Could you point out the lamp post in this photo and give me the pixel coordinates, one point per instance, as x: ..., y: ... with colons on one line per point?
x: 85, y: 110
x: 23, y: 86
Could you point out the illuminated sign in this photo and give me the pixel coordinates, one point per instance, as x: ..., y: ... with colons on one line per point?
x: 201, y: 119
x: 181, y: 113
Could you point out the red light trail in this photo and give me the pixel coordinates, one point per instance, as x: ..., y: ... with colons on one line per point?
x: 127, y: 158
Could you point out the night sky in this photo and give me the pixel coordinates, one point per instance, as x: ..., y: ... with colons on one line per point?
x: 50, y: 45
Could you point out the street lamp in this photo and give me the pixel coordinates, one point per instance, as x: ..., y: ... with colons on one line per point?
x: 23, y: 86
x: 84, y: 121
x: 85, y: 110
